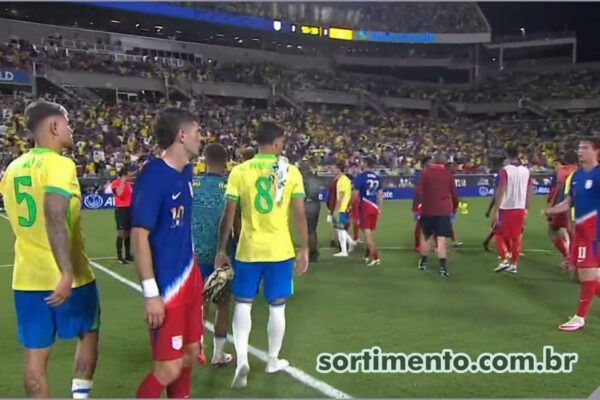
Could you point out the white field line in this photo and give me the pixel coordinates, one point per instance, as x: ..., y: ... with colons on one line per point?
x: 91, y: 259
x: 296, y: 373
x: 461, y: 249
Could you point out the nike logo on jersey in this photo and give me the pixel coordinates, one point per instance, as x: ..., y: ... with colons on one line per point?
x: 175, y: 196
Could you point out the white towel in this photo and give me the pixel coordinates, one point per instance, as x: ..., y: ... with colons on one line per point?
x: 280, y: 170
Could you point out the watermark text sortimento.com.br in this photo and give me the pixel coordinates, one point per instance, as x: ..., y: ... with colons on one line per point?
x: 374, y: 360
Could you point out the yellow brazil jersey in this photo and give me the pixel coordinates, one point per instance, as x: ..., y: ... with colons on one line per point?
x: 567, y: 191
x: 344, y: 188
x: 23, y: 186
x: 265, y: 235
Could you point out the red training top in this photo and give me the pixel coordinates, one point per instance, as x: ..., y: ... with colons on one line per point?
x: 332, y: 199
x: 436, y: 192
x: 124, y: 200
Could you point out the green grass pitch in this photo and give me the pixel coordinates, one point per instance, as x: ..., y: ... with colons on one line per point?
x: 344, y: 306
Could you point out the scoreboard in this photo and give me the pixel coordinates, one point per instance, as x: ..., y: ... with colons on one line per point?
x: 312, y: 30
x: 350, y: 35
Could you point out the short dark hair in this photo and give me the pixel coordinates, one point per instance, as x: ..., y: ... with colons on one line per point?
x: 425, y: 160
x: 123, y: 171
x: 595, y: 141
x: 369, y: 161
x: 267, y: 132
x: 215, y: 153
x: 39, y: 110
x: 571, y: 158
x: 168, y: 123
x: 512, y: 152
x: 247, y: 153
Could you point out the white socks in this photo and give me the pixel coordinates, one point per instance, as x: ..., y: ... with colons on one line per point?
x: 81, y: 388
x: 343, y: 239
x: 276, y: 329
x: 351, y: 241
x: 241, y: 326
x: 346, y: 242
x: 218, y: 346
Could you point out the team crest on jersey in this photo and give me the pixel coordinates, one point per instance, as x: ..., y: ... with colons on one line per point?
x: 177, y: 342
x: 588, y: 184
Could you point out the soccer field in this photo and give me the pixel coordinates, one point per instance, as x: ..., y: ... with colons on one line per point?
x: 344, y: 306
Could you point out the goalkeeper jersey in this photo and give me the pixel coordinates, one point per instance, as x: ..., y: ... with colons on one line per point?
x: 207, y: 207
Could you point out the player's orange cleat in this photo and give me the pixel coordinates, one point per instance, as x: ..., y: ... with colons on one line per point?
x: 223, y: 362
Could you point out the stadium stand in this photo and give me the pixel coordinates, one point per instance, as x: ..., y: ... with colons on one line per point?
x: 414, y: 17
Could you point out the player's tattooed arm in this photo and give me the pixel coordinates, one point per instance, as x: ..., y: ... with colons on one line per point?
x: 225, y: 227
x: 55, y: 212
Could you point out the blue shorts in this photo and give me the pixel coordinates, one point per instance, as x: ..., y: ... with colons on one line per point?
x: 38, y: 324
x: 343, y: 218
x: 277, y: 279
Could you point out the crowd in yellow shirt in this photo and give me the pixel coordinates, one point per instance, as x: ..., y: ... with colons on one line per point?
x: 110, y: 137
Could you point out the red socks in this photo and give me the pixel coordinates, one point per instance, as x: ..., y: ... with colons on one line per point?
x: 355, y: 232
x: 375, y: 255
x: 560, y: 246
x: 586, y: 296
x: 516, y: 250
x: 598, y: 288
x: 180, y: 389
x: 150, y: 388
x: 501, y: 246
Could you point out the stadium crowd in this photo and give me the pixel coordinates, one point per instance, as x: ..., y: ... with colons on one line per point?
x: 411, y: 17
x: 109, y: 137
x: 583, y: 84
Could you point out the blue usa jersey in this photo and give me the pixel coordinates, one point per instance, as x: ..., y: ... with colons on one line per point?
x: 162, y: 204
x: 585, y: 195
x: 208, y: 204
x: 368, y: 184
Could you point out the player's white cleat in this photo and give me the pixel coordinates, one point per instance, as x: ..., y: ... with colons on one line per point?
x: 574, y: 324
x: 222, y: 362
x: 374, y: 263
x: 341, y: 254
x: 276, y: 365
x: 367, y: 260
x: 240, y: 379
x: 512, y: 269
x: 502, y: 266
